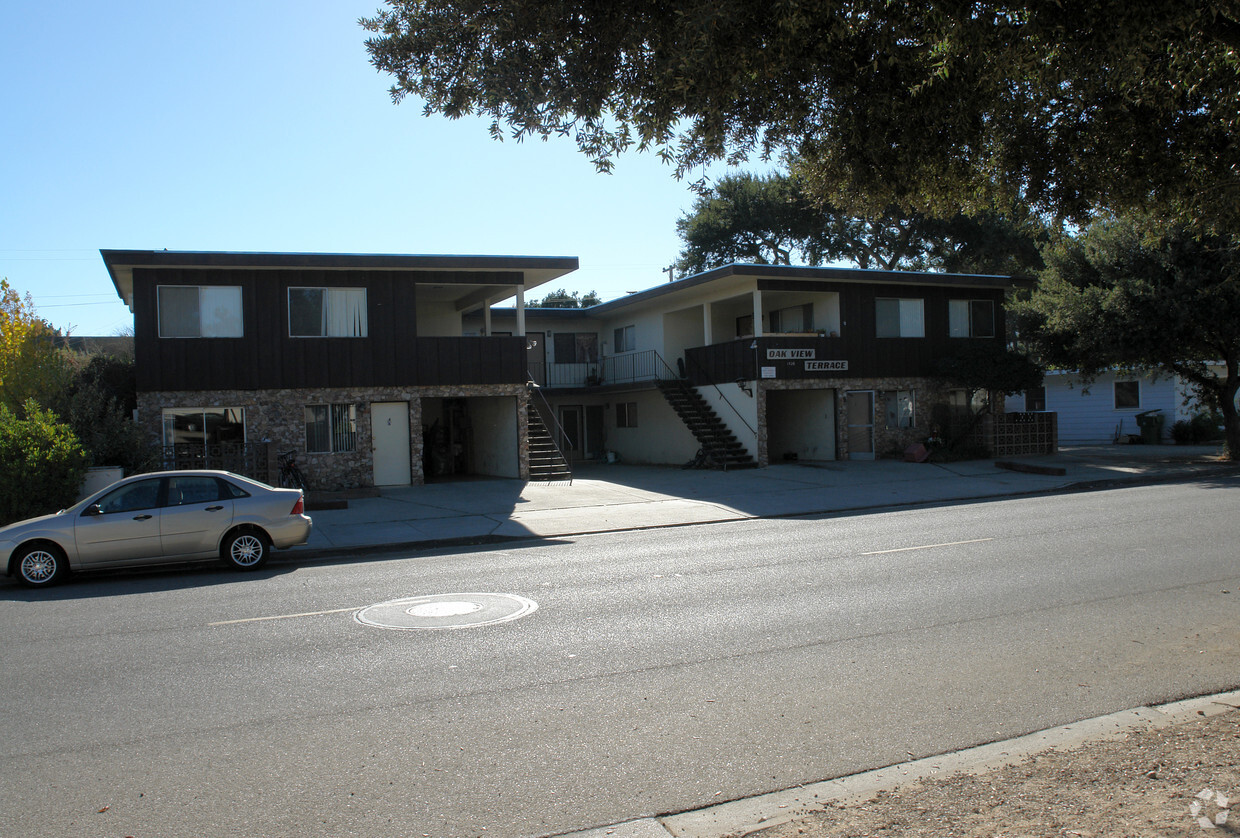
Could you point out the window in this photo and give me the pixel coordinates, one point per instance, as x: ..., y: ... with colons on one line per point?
x: 203, y: 425
x: 327, y: 313
x: 331, y: 428
x: 184, y: 490
x: 793, y: 319
x: 576, y: 348
x: 744, y: 326
x: 200, y: 311
x: 971, y: 318
x: 1127, y: 394
x: 899, y: 318
x: 624, y: 339
x: 1035, y: 399
x: 900, y: 409
x: 626, y: 415
x: 141, y: 495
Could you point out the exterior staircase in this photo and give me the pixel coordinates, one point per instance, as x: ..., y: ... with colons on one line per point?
x: 547, y: 463
x: 720, y: 447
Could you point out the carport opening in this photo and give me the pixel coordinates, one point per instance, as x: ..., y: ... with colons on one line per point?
x: 470, y: 437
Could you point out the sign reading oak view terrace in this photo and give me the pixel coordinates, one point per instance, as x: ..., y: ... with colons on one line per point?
x: 825, y: 366
x: 789, y: 354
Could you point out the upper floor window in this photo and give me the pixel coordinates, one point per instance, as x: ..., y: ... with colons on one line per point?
x: 971, y: 318
x: 200, y: 311
x: 900, y: 318
x: 576, y: 347
x: 625, y: 339
x: 793, y: 319
x: 327, y: 313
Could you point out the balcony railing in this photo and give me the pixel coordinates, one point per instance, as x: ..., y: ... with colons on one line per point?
x: 628, y: 368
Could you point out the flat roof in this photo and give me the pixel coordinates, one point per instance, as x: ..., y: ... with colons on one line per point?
x: 535, y: 270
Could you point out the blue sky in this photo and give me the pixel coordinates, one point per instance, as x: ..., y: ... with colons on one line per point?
x: 263, y: 126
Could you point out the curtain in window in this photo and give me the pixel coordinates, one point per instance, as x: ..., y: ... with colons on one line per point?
x: 346, y: 309
x: 912, y: 324
x: 344, y: 427
x: 220, y: 309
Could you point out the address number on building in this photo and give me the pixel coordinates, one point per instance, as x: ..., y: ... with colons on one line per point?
x: 825, y: 366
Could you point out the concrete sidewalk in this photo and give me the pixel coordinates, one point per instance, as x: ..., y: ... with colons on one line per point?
x: 617, y: 497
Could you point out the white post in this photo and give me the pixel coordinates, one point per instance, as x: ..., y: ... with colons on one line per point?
x: 520, y: 311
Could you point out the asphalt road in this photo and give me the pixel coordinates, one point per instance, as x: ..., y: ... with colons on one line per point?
x: 662, y: 670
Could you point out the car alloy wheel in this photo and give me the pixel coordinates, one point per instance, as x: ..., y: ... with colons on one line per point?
x: 246, y: 550
x: 40, y: 566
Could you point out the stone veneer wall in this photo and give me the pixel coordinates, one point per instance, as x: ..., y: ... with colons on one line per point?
x: 888, y: 442
x: 278, y: 416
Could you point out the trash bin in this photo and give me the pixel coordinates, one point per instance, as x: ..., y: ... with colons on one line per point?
x: 1150, y: 422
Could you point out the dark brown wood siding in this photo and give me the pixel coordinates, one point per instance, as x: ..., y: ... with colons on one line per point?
x: 267, y: 358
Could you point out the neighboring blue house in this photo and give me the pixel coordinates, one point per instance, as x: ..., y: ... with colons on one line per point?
x: 1106, y: 410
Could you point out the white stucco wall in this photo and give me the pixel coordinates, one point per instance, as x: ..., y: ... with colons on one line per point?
x: 438, y: 320
x: 659, y: 438
x: 742, y: 406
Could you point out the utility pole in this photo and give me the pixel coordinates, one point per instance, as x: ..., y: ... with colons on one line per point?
x: 670, y: 270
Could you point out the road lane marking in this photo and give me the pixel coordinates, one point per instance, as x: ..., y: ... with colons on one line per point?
x: 927, y: 546
x: 281, y: 617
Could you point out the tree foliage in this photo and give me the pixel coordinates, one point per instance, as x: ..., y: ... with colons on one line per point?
x: 31, y: 365
x: 1140, y: 293
x: 932, y: 106
x: 561, y: 298
x: 100, y: 408
x: 985, y: 367
x: 771, y: 220
x: 41, y: 463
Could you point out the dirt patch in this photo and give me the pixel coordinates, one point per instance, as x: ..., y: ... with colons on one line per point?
x: 1149, y: 783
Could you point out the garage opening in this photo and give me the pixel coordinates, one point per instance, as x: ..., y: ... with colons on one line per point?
x: 800, y: 425
x: 470, y: 437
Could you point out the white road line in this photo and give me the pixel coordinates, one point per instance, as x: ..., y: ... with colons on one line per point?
x: 282, y: 617
x: 926, y: 546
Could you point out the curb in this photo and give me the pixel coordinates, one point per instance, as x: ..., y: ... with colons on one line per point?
x: 752, y: 814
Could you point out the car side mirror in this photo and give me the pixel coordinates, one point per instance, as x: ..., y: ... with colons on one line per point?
x: 92, y: 510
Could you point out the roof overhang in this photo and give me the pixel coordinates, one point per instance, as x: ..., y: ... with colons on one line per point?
x: 475, y: 280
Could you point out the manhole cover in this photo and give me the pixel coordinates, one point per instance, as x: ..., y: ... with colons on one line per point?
x: 445, y: 611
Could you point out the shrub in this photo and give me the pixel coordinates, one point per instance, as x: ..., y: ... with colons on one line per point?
x: 41, y: 464
x: 1202, y: 427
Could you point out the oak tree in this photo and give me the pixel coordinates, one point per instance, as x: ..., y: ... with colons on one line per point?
x: 1138, y: 293
x: 932, y: 106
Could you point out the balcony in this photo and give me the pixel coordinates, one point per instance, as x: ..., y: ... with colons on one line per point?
x: 626, y: 368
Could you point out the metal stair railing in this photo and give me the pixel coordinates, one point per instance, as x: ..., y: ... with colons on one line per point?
x: 698, y: 368
x: 558, y: 433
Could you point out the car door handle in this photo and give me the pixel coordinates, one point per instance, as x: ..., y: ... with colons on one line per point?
x: 141, y: 517
x: 214, y: 508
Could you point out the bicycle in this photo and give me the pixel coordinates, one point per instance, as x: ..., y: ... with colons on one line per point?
x: 290, y: 474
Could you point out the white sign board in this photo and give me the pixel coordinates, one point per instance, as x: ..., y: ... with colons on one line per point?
x: 826, y: 366
x: 768, y: 372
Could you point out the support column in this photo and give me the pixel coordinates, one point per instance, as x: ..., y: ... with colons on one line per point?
x: 757, y: 313
x: 520, y: 311
x: 707, y: 337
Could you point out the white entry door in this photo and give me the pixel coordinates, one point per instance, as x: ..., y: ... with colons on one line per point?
x: 389, y: 433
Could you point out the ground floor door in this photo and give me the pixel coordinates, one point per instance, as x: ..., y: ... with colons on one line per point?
x: 389, y: 430
x: 860, y: 411
x: 572, y: 428
x: 594, y: 431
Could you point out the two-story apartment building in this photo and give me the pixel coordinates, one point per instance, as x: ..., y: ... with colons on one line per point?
x: 356, y: 362
x: 390, y: 369
x: 793, y: 363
